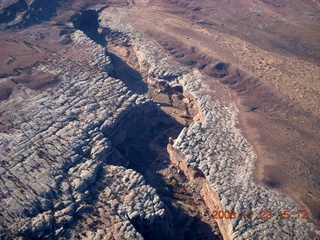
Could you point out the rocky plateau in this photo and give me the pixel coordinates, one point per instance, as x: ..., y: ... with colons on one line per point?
x: 137, y: 120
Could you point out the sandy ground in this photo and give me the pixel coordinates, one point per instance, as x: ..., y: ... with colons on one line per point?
x: 270, y: 68
x: 275, y: 88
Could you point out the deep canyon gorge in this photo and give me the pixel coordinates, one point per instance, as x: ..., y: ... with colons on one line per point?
x: 141, y: 119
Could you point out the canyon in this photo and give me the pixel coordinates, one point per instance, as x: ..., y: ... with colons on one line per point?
x: 140, y: 119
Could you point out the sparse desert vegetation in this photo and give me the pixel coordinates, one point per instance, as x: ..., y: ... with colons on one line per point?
x: 139, y: 119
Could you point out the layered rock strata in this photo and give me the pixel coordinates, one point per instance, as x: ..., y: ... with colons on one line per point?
x: 61, y: 176
x: 217, y: 148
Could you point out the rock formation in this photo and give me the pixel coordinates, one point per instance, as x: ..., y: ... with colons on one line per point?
x: 217, y: 148
x: 54, y: 160
x: 61, y: 174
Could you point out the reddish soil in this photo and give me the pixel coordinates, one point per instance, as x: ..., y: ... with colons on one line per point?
x: 249, y: 54
x: 263, y: 54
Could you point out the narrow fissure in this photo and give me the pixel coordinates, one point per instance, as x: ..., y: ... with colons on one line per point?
x: 146, y: 153
x: 145, y: 148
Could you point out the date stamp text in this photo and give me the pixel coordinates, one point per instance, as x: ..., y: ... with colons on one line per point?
x: 263, y: 214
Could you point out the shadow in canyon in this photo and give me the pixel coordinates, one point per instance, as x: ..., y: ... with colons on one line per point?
x: 87, y: 21
x: 129, y: 76
x: 37, y: 12
x: 144, y: 148
x: 146, y: 153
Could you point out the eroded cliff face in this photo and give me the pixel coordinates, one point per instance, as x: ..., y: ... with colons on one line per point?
x: 217, y: 148
x: 84, y: 133
x: 214, y: 149
x: 206, y: 191
x: 68, y: 168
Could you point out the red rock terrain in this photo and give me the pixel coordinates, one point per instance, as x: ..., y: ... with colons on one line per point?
x: 235, y: 84
x: 277, y: 93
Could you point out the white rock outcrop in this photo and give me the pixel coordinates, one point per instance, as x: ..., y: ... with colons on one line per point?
x: 217, y: 147
x: 57, y: 151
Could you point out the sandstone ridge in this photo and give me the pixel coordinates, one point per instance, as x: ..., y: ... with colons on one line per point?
x: 58, y: 148
x: 76, y: 119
